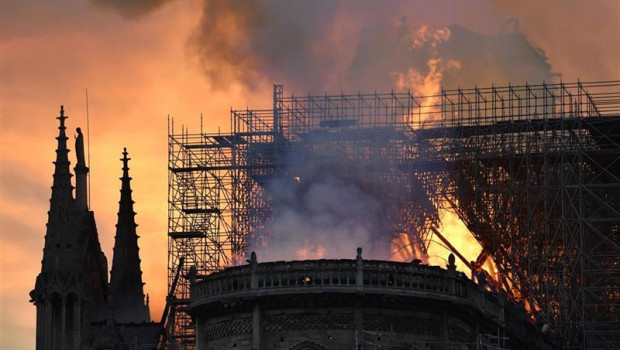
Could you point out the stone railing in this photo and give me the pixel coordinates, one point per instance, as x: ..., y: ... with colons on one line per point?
x: 344, y: 276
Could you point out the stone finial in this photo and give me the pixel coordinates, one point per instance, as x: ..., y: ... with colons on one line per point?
x: 451, y: 262
x: 253, y: 260
x: 62, y: 117
x: 253, y: 269
x: 358, y: 258
x: 359, y: 262
x: 125, y: 161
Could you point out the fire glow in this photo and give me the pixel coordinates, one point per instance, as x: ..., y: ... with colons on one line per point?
x: 406, y: 245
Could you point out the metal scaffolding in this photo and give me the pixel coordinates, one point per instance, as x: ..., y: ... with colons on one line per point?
x: 533, y: 171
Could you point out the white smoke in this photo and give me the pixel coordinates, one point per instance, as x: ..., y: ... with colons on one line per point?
x: 325, y: 218
x: 323, y: 206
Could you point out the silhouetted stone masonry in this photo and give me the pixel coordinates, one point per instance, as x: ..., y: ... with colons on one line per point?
x: 338, y: 304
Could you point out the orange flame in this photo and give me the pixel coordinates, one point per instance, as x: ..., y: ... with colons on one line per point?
x: 311, y: 251
x: 455, y: 231
x: 404, y: 250
x: 427, y: 87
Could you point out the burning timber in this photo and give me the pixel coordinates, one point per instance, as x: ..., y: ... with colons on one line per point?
x: 531, y: 171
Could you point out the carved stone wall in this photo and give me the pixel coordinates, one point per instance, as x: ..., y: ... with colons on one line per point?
x: 349, y: 304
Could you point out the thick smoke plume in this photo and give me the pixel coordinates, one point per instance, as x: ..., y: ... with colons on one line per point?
x: 351, y: 45
x: 330, y: 199
x: 318, y: 46
x: 311, y: 47
x: 328, y: 208
x: 332, y: 45
x: 247, y: 41
x: 321, y: 216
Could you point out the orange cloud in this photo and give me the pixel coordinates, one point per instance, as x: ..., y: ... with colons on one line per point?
x: 136, y: 74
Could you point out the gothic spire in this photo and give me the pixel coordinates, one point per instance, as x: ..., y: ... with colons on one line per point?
x: 58, y: 235
x: 62, y: 197
x: 126, y: 285
x: 73, y: 280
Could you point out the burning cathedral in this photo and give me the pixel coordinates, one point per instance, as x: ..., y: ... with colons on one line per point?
x: 309, y: 226
x: 77, y: 307
x: 261, y: 220
x: 531, y: 171
x: 265, y: 219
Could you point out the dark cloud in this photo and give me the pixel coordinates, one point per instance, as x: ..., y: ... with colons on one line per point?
x: 244, y: 41
x: 317, y: 46
x: 131, y: 8
x: 328, y: 46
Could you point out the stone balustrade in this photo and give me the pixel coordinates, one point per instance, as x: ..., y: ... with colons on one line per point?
x: 344, y: 276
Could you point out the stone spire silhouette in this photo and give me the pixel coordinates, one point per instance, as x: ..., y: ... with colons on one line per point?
x: 126, y: 285
x: 70, y: 291
x: 62, y: 197
x: 60, y: 235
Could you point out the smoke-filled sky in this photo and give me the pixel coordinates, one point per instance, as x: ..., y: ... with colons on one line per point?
x: 143, y: 61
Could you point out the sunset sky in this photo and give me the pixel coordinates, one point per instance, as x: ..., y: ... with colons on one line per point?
x: 144, y: 63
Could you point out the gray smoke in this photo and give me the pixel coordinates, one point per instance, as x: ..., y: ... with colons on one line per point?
x: 248, y: 41
x: 324, y: 217
x: 328, y: 208
x: 334, y: 205
x: 329, y: 46
x: 331, y: 198
x: 354, y: 45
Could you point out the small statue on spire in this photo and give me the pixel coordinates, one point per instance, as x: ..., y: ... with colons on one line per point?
x: 79, y: 148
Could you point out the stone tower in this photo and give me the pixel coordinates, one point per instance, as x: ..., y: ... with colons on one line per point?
x: 76, y: 307
x: 71, y: 291
x: 127, y: 295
